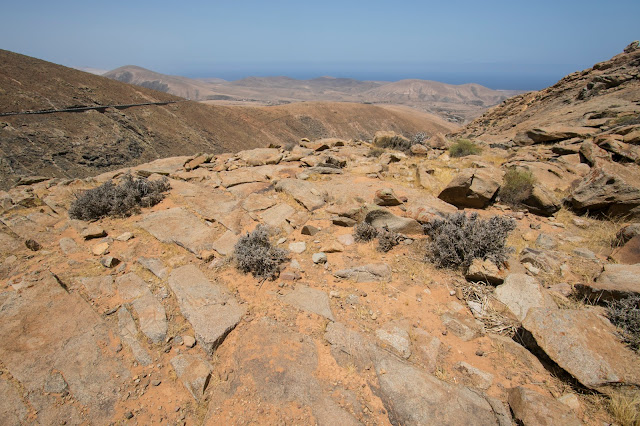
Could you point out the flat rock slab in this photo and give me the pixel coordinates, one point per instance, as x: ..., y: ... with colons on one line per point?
x: 180, y: 227
x: 395, y: 337
x: 583, y: 344
x: 240, y: 176
x: 226, y: 243
x: 163, y: 166
x: 255, y: 202
x: 382, y: 218
x: 413, y: 397
x: 208, y: 306
x: 615, y: 282
x: 260, y: 156
x: 521, y: 292
x: 194, y: 373
x: 12, y: 410
x: 151, y: 314
x: 277, y: 215
x: 303, y: 192
x: 97, y: 287
x: 310, y: 300
x: 44, y: 328
x: 531, y: 408
x: 366, y: 273
x: 128, y: 332
x: 155, y: 266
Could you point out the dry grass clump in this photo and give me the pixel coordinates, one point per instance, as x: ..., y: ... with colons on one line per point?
x: 481, y: 296
x: 122, y: 200
x: 517, y: 186
x: 625, y: 408
x: 464, y: 147
x: 254, y: 253
x: 397, y: 142
x: 458, y: 239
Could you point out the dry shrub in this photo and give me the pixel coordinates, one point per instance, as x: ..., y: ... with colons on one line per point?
x: 517, y: 186
x: 254, y: 253
x: 122, y: 200
x: 364, y: 232
x: 458, y: 239
x: 494, y: 321
x: 387, y: 240
x: 464, y: 147
x: 625, y: 314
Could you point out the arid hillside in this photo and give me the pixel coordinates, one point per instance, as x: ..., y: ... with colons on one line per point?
x: 80, y: 144
x: 455, y: 103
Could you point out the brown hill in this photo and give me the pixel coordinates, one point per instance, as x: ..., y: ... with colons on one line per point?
x: 81, y: 144
x: 593, y: 98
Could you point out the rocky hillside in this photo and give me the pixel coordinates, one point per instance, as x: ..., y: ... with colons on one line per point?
x: 85, y: 143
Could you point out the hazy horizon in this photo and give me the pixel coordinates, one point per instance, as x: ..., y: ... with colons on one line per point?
x: 499, y: 44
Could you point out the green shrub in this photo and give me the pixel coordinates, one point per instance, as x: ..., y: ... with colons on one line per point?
x: 625, y: 314
x: 121, y: 200
x: 254, y: 253
x: 458, y: 239
x: 464, y: 147
x: 517, y: 185
x: 364, y: 232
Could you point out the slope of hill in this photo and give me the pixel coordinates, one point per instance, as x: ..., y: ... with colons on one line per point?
x: 456, y: 103
x: 592, y: 98
x: 85, y: 143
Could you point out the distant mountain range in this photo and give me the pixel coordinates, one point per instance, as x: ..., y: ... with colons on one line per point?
x: 456, y: 103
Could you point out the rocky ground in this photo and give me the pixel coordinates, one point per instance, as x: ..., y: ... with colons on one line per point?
x: 146, y: 320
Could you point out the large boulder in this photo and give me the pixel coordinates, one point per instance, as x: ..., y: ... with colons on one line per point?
x: 615, y: 282
x: 471, y: 188
x: 542, y: 201
x: 382, y: 218
x: 583, y: 344
x: 531, y: 408
x: 261, y: 156
x: 610, y: 189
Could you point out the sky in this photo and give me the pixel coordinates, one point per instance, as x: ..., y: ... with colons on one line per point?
x: 512, y: 44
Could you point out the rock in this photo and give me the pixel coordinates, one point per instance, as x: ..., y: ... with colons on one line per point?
x: 439, y: 141
x: 93, y: 231
x: 189, y: 341
x: 463, y: 327
x: 621, y: 152
x: 209, y: 307
x: 151, y: 314
x: 412, y: 396
x: 546, y: 261
x: 225, y: 245
x: 395, y: 337
x: 303, y: 192
x: 428, y: 208
x: 298, y: 247
x: 343, y: 221
x: 55, y: 384
x: 309, y: 230
x: 100, y: 249
x: 583, y: 344
x: 155, y: 266
x: 520, y: 293
x: 386, y: 197
x: 109, y: 261
x: 98, y: 287
x: 477, y: 378
x: 584, y: 253
x: 260, y: 156
x: 542, y: 201
x: 471, y: 188
x: 128, y: 332
x: 593, y: 155
x: 319, y: 258
x: 614, y: 283
x: 551, y: 134
x: 13, y: 410
x: 126, y: 236
x: 32, y: 245
x: 366, y: 273
x: 628, y: 232
x: 419, y: 149
x: 609, y: 189
x: 346, y: 239
x: 531, y: 408
x: 629, y: 253
x: 518, y: 352
x: 240, y: 176
x: 178, y: 226
x: 194, y: 373
x: 382, y: 218
x: 68, y: 245
x: 255, y: 202
x: 546, y: 241
x: 427, y: 348
x: 349, y: 347
x: 332, y: 247
x: 277, y: 215
x: 310, y: 300
x: 484, y: 270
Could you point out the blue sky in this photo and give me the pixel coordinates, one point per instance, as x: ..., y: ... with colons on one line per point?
x: 501, y: 44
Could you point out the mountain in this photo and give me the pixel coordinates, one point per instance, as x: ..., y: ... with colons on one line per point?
x: 79, y: 144
x: 456, y: 103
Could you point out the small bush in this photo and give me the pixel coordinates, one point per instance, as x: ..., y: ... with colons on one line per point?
x: 625, y: 314
x: 121, y: 200
x: 464, y: 147
x: 517, y: 185
x: 458, y: 239
x: 375, y: 152
x: 254, y: 253
x: 393, y: 141
x: 364, y: 232
x: 419, y: 137
x: 387, y: 240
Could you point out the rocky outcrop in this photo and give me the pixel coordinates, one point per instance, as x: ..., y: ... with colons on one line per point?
x: 471, y: 188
